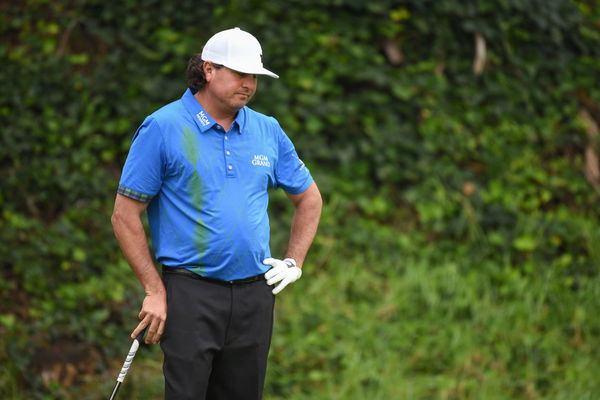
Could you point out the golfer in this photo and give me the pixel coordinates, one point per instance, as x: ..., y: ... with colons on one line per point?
x: 201, y: 166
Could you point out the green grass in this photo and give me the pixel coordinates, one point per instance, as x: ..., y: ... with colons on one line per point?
x: 428, y: 329
x: 416, y: 326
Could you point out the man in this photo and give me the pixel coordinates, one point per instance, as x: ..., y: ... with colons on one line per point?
x: 201, y: 167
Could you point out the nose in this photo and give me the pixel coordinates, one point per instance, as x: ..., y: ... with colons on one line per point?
x: 249, y: 81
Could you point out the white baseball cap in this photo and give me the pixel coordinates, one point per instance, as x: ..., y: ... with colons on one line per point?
x: 236, y: 49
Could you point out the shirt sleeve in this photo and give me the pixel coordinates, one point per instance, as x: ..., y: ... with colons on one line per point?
x: 143, y: 171
x: 290, y: 172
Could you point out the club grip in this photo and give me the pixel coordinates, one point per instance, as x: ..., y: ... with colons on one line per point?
x: 132, y: 350
x: 131, y: 354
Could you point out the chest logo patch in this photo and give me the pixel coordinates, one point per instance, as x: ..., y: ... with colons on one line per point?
x: 261, y: 160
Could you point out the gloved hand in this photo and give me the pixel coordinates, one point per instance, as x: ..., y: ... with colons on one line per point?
x: 284, y: 271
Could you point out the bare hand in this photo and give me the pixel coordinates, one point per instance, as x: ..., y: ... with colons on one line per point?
x: 154, y: 314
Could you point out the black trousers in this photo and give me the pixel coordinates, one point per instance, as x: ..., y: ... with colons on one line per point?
x: 216, y: 338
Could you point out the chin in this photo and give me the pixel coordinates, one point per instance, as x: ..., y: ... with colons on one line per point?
x: 239, y: 104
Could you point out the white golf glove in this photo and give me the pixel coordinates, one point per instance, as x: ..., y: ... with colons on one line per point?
x: 284, y: 271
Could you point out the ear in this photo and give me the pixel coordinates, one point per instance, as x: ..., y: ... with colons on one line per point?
x: 209, y: 70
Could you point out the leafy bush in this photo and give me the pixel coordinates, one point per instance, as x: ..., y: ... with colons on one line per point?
x: 458, y: 251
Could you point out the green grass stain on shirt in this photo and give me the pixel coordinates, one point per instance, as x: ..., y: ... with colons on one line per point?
x: 195, y: 187
x: 190, y: 146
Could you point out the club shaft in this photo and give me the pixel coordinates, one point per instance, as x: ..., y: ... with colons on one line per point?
x: 115, y: 390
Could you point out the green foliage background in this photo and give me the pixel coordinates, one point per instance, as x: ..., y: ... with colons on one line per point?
x: 459, y: 248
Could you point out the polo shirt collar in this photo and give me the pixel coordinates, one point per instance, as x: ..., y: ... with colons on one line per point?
x: 201, y: 117
x: 240, y: 119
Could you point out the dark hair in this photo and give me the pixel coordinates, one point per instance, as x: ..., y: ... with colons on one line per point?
x: 195, y: 72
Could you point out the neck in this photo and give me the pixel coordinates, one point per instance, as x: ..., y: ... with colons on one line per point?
x: 222, y: 115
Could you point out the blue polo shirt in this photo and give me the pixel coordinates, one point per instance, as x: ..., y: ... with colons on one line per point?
x: 207, y: 188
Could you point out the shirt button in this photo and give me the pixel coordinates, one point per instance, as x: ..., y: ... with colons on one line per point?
x: 226, y: 138
x: 219, y: 127
x: 227, y: 152
x: 230, y: 167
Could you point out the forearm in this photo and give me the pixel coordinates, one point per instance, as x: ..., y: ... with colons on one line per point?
x: 132, y: 239
x: 129, y: 231
x: 304, y: 225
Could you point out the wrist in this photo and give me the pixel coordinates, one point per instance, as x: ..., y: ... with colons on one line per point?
x: 157, y: 289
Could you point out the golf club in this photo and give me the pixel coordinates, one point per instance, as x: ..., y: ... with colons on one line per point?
x: 132, y: 350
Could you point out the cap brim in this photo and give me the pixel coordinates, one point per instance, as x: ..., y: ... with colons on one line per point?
x: 257, y: 71
x: 269, y: 73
